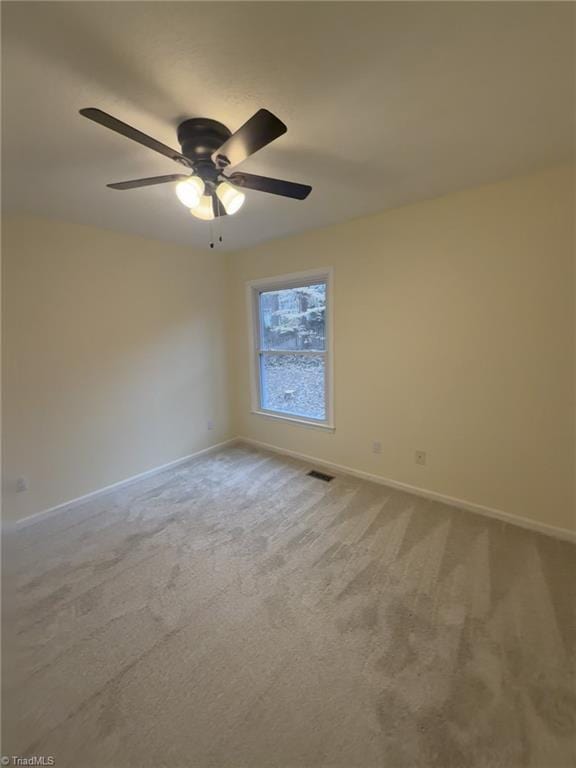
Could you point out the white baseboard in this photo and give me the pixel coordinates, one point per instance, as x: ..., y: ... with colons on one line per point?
x: 46, y: 513
x: 523, y: 522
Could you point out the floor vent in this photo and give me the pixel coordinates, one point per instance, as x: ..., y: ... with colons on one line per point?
x: 320, y: 476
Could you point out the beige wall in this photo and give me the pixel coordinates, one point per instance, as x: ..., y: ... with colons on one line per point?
x: 114, y: 358
x: 454, y: 334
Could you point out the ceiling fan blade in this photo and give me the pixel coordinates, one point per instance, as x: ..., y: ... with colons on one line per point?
x: 262, y: 128
x: 273, y: 186
x: 132, y: 133
x: 135, y: 183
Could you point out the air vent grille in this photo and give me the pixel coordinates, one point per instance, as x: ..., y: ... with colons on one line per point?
x: 320, y: 476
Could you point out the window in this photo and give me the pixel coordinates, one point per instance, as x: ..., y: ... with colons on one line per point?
x: 291, y: 341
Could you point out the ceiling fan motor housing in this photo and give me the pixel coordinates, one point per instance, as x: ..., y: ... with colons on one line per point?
x: 200, y: 137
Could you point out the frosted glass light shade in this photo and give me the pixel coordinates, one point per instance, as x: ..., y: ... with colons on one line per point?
x: 204, y: 209
x: 230, y: 197
x: 189, y: 191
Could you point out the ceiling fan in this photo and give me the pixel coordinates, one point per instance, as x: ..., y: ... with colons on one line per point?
x: 207, y: 148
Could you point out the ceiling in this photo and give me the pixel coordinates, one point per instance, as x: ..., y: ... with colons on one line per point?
x: 385, y: 103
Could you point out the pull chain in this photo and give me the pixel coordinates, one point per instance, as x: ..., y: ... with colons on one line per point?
x: 215, y: 225
x: 218, y: 221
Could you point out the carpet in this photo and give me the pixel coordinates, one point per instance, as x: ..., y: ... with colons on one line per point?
x: 233, y: 612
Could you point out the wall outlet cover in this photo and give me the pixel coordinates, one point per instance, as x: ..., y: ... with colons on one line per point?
x: 21, y: 484
x: 420, y: 457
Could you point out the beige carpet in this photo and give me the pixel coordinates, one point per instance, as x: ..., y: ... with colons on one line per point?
x: 236, y: 613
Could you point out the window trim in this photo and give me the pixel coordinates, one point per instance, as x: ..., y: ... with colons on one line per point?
x: 278, y: 282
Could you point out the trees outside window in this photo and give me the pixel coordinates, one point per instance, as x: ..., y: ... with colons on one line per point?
x: 290, y: 345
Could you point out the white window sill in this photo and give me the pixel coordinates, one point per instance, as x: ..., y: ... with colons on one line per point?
x: 295, y: 420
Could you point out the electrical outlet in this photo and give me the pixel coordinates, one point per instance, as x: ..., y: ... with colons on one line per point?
x: 21, y: 484
x: 376, y: 446
x: 209, y: 425
x: 420, y: 457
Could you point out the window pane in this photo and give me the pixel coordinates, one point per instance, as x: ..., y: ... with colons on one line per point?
x: 293, y: 318
x: 293, y: 384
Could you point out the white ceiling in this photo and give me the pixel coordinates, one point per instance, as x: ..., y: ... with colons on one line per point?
x: 386, y: 103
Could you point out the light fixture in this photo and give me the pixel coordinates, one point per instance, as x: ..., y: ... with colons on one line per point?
x: 189, y: 191
x: 203, y: 210
x: 230, y: 197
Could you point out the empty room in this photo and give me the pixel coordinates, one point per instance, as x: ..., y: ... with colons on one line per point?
x: 288, y: 384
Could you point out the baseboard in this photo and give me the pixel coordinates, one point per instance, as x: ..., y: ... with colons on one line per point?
x: 46, y: 513
x: 498, y: 514
x: 523, y: 522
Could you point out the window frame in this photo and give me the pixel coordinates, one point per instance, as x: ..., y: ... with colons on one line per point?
x: 279, y: 282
